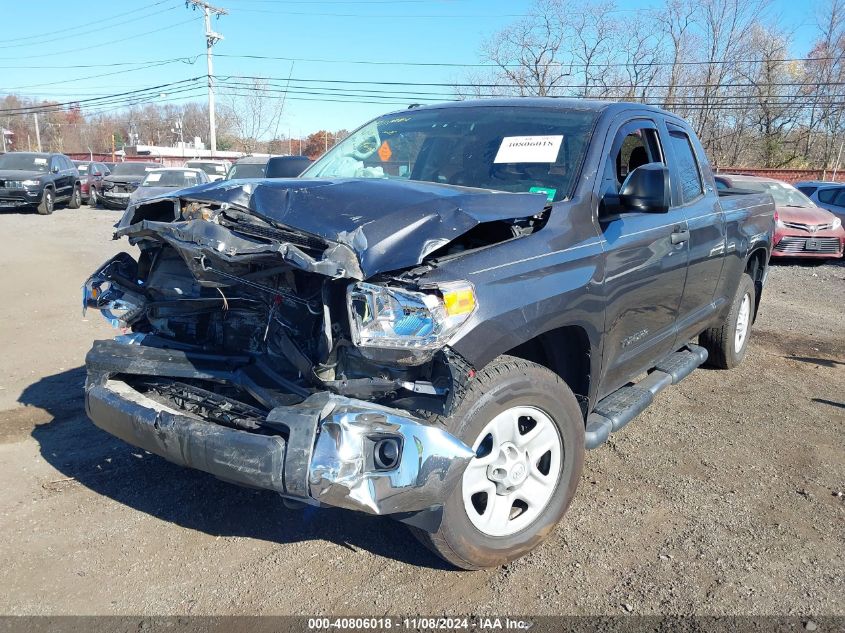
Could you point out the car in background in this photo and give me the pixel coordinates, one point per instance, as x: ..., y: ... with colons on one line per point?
x: 828, y: 195
x: 268, y: 167
x: 91, y: 176
x: 802, y: 229
x: 167, y: 179
x: 214, y: 169
x: 122, y: 181
x: 38, y: 180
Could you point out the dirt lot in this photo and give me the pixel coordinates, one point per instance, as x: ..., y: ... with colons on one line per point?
x: 726, y: 497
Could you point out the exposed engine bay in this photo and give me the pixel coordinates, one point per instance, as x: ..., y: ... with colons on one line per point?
x: 215, y: 277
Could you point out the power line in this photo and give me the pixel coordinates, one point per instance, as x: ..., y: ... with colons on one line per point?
x: 78, y: 102
x: 294, y: 88
x: 187, y: 60
x: 116, y: 72
x: 389, y: 16
x: 510, y: 85
x: 381, y: 62
x: 100, y: 21
x: 101, y: 44
x: 97, y: 29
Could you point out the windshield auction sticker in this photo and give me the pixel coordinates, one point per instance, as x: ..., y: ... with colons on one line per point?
x: 529, y: 149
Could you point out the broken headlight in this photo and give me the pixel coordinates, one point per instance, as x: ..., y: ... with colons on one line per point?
x: 395, y: 318
x: 119, y: 304
x: 119, y: 307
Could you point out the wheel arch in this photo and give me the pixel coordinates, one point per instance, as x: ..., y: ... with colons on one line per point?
x: 567, y: 352
x: 755, y: 267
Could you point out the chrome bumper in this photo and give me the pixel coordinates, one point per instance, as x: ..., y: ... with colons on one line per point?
x: 323, y: 453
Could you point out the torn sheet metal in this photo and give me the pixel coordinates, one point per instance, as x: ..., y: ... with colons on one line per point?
x: 198, y: 240
x: 342, y: 472
x: 387, y: 224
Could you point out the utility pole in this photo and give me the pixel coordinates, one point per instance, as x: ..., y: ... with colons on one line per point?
x: 211, y: 38
x: 37, y: 131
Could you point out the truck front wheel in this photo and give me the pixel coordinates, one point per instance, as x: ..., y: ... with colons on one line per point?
x: 527, y: 431
x: 726, y: 344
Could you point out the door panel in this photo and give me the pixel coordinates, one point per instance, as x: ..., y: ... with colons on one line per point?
x: 645, y: 266
x: 645, y: 275
x: 706, y: 224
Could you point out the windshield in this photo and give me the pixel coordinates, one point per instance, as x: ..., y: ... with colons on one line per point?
x: 212, y: 169
x: 131, y: 169
x: 505, y: 148
x: 24, y: 162
x: 171, y: 179
x: 248, y: 170
x: 784, y: 195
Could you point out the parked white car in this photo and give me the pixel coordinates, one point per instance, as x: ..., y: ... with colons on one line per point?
x: 167, y: 179
x: 214, y: 169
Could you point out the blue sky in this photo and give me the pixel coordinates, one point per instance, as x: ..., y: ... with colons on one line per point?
x: 131, y: 31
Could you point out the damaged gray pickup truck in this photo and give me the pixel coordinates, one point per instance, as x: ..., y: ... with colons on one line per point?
x: 436, y: 319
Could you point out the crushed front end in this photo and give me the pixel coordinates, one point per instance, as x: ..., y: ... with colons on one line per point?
x: 266, y: 356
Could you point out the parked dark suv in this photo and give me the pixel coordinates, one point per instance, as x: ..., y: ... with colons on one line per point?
x: 91, y: 176
x: 122, y: 181
x: 30, y: 180
x: 268, y: 167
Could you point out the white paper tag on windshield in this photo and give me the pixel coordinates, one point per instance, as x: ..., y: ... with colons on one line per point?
x: 40, y: 161
x: 529, y: 149
x: 154, y: 177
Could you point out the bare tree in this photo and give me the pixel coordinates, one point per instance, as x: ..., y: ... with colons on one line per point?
x: 255, y: 111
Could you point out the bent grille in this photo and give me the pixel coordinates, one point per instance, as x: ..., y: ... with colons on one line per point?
x: 305, y: 242
x: 825, y: 245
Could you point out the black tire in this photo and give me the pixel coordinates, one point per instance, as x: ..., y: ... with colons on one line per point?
x: 505, y: 383
x: 721, y: 342
x: 48, y: 202
x: 75, y: 199
x: 92, y: 198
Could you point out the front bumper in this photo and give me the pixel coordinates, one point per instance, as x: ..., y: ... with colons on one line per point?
x: 319, y: 451
x: 108, y: 199
x: 17, y: 198
x: 796, y: 243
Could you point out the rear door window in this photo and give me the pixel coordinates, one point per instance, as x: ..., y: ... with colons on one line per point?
x: 686, y: 167
x: 807, y: 191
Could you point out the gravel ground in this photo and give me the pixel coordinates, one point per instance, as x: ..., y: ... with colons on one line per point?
x: 725, y: 497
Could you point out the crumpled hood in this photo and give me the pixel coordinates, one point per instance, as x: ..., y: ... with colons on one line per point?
x: 388, y: 224
x: 17, y: 174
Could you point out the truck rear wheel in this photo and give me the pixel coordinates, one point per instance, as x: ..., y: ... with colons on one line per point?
x: 527, y: 431
x: 726, y: 345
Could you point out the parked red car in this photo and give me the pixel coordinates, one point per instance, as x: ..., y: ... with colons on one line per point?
x: 802, y: 229
x: 91, y: 176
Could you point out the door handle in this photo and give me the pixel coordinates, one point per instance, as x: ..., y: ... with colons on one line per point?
x: 679, y: 236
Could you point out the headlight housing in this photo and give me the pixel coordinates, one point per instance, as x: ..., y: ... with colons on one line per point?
x: 31, y: 183
x: 395, y: 318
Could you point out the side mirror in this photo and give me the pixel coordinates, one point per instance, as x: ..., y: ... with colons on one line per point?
x: 54, y: 169
x: 647, y: 188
